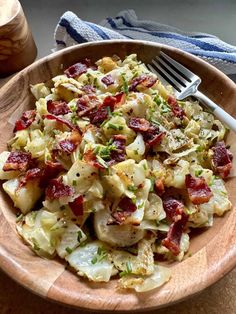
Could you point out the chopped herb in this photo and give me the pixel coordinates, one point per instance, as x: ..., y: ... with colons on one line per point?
x: 127, y: 271
x: 80, y: 236
x: 132, y: 188
x: 113, y: 126
x: 73, y: 108
x: 198, y: 172
x: 141, y: 205
x: 136, y: 152
x: 144, y: 166
x: 100, y: 255
x: 95, y: 82
x: 74, y: 182
x: 109, y: 111
x: 223, y: 193
x: 152, y: 179
x: 69, y: 250
x: 94, y: 260
x: 125, y: 85
x: 120, y: 127
x: 157, y: 100
x: 212, y: 180
x: 96, y: 150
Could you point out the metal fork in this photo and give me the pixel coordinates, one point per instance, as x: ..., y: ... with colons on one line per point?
x: 185, y: 84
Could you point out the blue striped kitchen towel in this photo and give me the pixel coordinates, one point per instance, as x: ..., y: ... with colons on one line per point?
x: 72, y: 30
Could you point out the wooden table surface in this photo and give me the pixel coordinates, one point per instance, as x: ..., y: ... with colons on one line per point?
x: 219, y: 298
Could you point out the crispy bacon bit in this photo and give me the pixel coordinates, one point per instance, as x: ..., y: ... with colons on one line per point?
x: 57, y: 189
x: 57, y: 107
x: 159, y: 187
x: 88, y: 89
x: 18, y: 160
x: 173, y: 208
x: 119, y: 153
x: 151, y: 133
x: 102, y: 111
x: 62, y: 121
x: 198, y: 191
x: 222, y: 159
x: 31, y: 174
x: 176, y: 109
x: 139, y: 124
x: 107, y: 80
x: 76, y: 70
x: 144, y: 80
x: 153, y: 136
x: 91, y: 159
x: 172, y: 241
x: 25, y: 121
x: 67, y: 146
x: 50, y: 171
x: 127, y: 206
x: 77, y: 206
x: 86, y: 105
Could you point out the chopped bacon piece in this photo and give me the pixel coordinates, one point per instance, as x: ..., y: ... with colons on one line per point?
x: 50, y: 171
x: 222, y: 159
x: 31, y: 174
x: 119, y: 153
x: 176, y: 109
x: 107, y: 80
x: 88, y: 89
x: 62, y: 121
x: 57, y: 107
x: 144, y: 80
x: 153, y: 136
x: 198, y: 191
x: 173, y: 208
x: 151, y: 133
x: 172, y: 100
x: 127, y: 206
x: 18, y: 160
x: 76, y: 70
x: 102, y: 111
x: 57, y: 189
x: 86, y: 105
x: 91, y: 159
x: 159, y: 187
x: 172, y: 241
x: 77, y: 206
x: 69, y: 145
x: 25, y: 121
x: 139, y: 124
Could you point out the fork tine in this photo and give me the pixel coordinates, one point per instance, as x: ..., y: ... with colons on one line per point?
x: 169, y: 77
x: 178, y: 67
x: 151, y: 68
x: 176, y: 75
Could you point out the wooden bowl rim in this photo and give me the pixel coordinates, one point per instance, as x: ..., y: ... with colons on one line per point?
x: 215, y: 271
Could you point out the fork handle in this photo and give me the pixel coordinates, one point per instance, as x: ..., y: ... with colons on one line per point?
x: 221, y: 114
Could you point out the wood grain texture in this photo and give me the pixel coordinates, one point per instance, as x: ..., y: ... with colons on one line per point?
x: 213, y: 251
x: 17, y: 47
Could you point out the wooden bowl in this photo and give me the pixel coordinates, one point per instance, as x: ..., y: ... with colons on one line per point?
x: 213, y: 251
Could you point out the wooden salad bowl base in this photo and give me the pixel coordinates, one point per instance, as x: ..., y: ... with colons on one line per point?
x: 213, y: 250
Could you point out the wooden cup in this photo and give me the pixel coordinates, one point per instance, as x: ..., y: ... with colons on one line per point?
x: 17, y: 46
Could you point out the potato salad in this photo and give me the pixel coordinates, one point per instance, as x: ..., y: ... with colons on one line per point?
x: 111, y: 173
